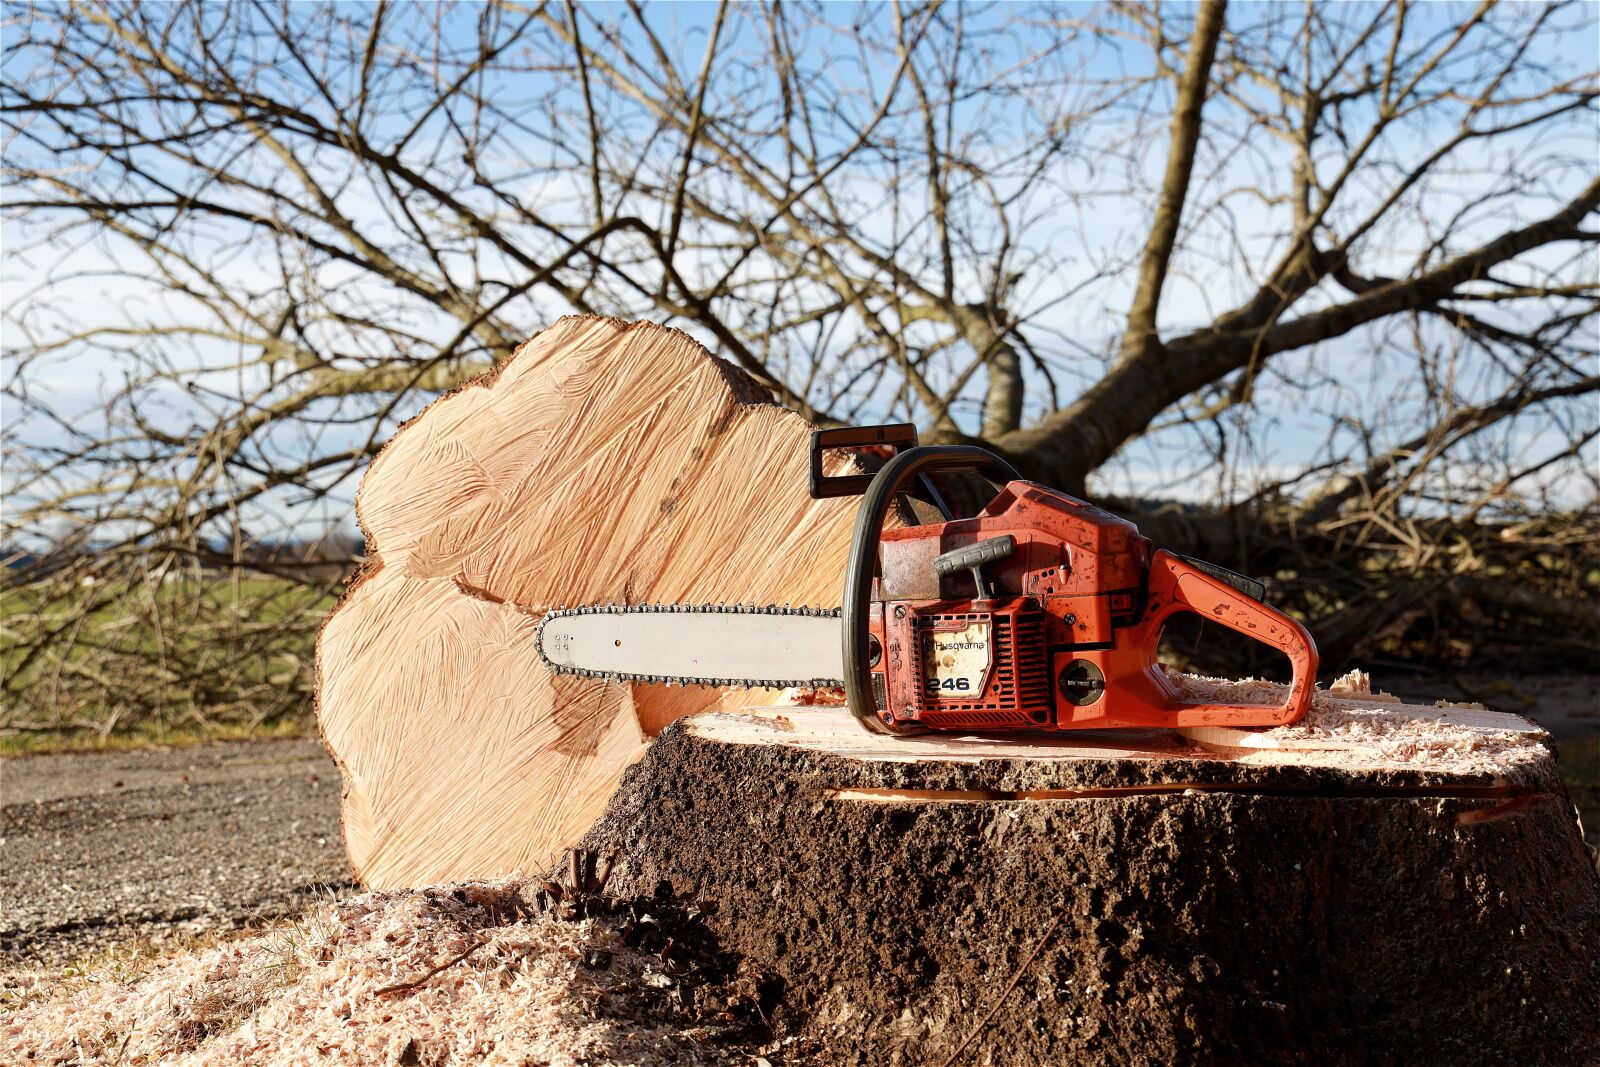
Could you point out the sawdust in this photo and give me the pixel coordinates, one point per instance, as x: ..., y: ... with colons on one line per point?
x: 537, y: 990
x: 803, y: 697
x: 1372, y: 727
x: 1350, y: 722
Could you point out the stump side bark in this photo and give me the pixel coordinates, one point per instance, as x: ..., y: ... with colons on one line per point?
x: 603, y: 462
x: 1164, y: 901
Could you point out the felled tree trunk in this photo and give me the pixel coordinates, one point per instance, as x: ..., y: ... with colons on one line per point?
x: 604, y: 461
x: 1381, y: 884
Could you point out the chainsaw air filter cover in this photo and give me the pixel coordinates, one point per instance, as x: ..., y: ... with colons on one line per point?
x: 971, y: 666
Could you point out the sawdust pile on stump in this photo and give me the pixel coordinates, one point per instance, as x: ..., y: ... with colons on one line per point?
x: 1368, y: 727
x: 462, y: 974
x: 1363, y: 726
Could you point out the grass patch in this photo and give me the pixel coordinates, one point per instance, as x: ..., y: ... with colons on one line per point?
x: 156, y: 660
x: 146, y: 735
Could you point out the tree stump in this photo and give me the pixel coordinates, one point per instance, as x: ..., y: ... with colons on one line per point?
x: 1382, y: 883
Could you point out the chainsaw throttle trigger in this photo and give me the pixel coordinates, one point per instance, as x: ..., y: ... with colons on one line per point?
x: 973, y: 557
x: 1250, y: 587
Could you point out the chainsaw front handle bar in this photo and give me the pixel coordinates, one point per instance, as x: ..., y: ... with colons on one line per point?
x: 1177, y: 586
x: 863, y: 562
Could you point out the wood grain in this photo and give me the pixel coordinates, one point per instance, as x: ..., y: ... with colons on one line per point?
x: 604, y: 461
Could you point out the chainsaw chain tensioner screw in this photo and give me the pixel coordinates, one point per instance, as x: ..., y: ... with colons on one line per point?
x: 1081, y: 683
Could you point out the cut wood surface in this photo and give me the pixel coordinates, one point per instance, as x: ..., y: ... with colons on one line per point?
x: 1132, y: 898
x: 603, y: 462
x: 1351, y: 725
x: 1349, y: 736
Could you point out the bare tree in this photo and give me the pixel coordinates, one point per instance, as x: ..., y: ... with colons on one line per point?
x: 1324, y: 273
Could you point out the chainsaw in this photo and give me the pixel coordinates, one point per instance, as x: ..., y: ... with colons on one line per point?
x: 1041, y: 612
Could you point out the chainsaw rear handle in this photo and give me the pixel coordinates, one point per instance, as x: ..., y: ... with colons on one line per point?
x: 1177, y: 585
x: 858, y: 572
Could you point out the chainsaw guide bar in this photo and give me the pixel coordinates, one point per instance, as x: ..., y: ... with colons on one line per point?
x: 595, y: 641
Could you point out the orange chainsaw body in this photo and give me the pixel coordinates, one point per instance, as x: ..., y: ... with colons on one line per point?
x: 1059, y: 633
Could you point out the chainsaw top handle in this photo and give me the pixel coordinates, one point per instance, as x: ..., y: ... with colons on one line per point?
x: 857, y: 603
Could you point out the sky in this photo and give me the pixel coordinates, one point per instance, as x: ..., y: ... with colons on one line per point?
x: 1095, y: 216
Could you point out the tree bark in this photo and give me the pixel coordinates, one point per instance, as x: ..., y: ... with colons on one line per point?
x: 1066, y: 445
x: 1385, y: 884
x: 1141, y: 336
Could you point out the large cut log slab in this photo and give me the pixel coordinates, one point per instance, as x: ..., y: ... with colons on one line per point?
x: 1379, y: 884
x: 603, y: 462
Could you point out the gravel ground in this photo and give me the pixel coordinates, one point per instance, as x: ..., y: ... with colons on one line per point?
x: 98, y: 848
